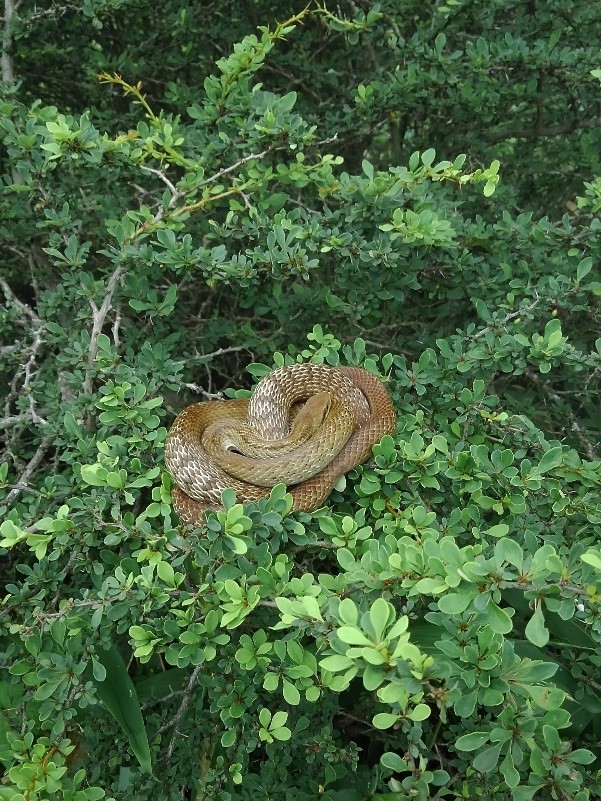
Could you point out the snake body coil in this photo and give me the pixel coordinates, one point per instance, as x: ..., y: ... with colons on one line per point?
x: 252, y: 444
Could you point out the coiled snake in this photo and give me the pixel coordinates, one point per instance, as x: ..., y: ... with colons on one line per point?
x: 252, y: 444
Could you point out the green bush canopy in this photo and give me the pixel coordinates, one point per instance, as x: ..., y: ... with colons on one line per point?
x: 194, y: 193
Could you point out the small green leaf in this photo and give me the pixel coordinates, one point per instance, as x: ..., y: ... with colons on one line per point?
x: 368, y: 169
x: 419, y: 712
x: 488, y: 759
x: 291, y: 694
x: 550, y: 459
x: 592, y: 558
x: 552, y: 738
x: 353, y: 636
x: 237, y: 545
x: 384, y: 720
x: 428, y: 157
x: 500, y: 530
x: 498, y: 619
x: 347, y: 612
x: 265, y: 717
x: 394, y: 762
x: 279, y: 718
x: 454, y: 603
x: 166, y: 572
x: 94, y: 475
x: 312, y: 607
x: 582, y: 756
x: 228, y: 738
x: 379, y: 615
x: 584, y: 268
x: 536, y: 631
x: 508, y: 550
x: 283, y: 733
x: 472, y: 741
x: 548, y: 698
x: 336, y: 663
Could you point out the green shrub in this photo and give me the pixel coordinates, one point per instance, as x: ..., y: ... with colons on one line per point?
x: 434, y: 632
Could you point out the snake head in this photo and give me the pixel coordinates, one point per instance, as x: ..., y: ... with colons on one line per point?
x: 311, y: 415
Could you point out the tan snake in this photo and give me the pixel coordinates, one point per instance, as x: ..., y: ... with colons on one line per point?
x: 252, y: 444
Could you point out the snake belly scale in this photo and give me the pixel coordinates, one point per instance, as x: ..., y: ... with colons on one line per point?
x: 305, y: 425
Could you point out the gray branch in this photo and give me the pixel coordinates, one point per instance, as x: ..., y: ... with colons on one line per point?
x: 30, y: 468
x: 99, y: 316
x: 8, y: 75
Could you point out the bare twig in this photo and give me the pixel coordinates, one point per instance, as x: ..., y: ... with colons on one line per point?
x: 26, y: 311
x: 201, y: 357
x: 551, y: 395
x: 232, y: 167
x: 29, y: 319
x: 203, y: 392
x: 7, y: 350
x: 28, y: 370
x: 367, y: 41
x: 53, y: 11
x: 163, y: 178
x: 99, y: 316
x: 182, y: 710
x: 537, y: 131
x: 255, y: 156
x: 506, y: 319
x: 116, y: 326
x: 14, y: 419
x: 176, y: 194
x: 29, y: 470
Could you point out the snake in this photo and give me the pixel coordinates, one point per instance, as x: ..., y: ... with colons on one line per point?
x: 304, y: 425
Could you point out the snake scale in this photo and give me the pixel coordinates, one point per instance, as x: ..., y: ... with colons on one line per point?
x: 305, y: 425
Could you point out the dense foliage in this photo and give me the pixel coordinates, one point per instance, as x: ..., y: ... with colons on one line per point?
x: 195, y: 192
